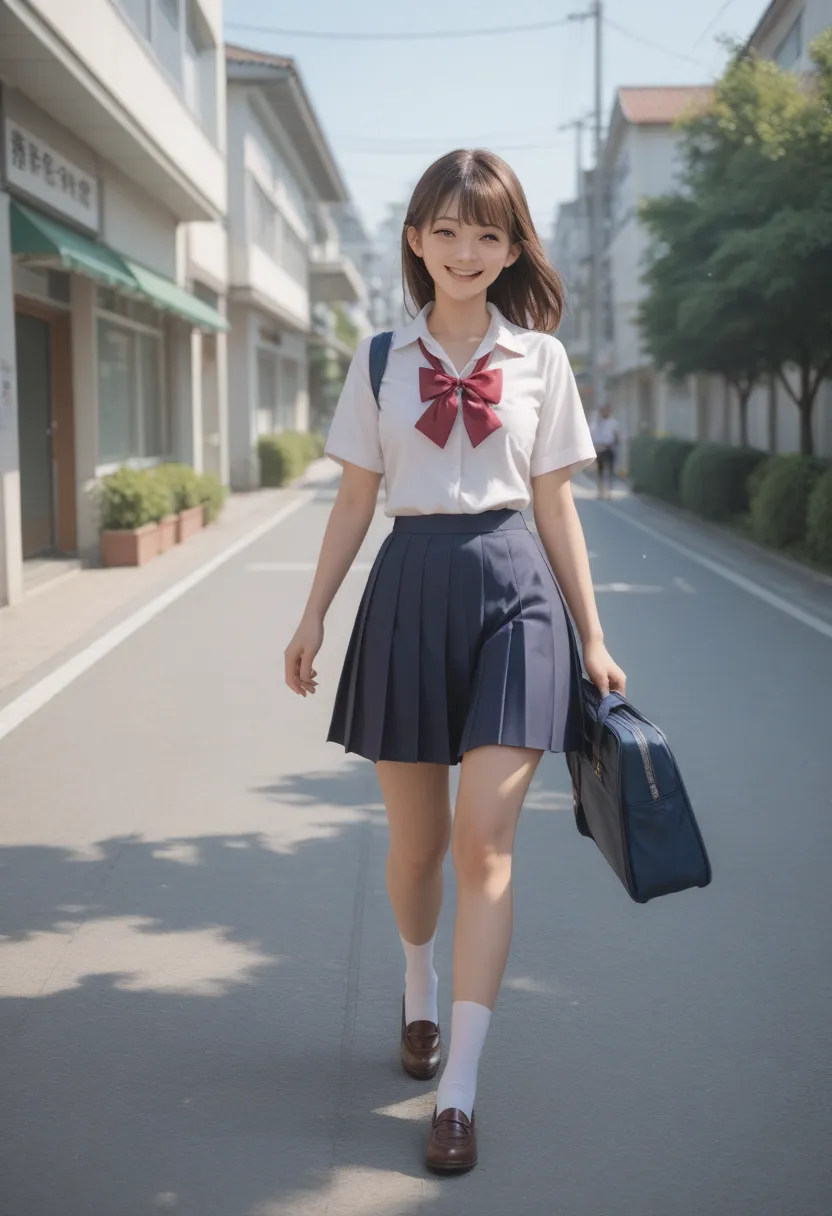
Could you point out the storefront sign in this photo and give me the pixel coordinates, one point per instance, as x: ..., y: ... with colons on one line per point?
x: 32, y: 165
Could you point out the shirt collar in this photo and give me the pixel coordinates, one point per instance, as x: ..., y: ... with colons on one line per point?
x: 500, y: 333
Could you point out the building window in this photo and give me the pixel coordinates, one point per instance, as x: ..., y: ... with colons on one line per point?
x: 139, y: 13
x: 130, y: 399
x: 294, y: 255
x: 182, y: 42
x: 275, y: 236
x: 166, y: 36
x: 790, y: 49
x: 264, y: 226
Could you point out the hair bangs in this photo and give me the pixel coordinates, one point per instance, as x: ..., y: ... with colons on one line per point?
x: 480, y: 198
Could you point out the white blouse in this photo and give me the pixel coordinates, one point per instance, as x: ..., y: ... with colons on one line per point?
x: 544, y: 426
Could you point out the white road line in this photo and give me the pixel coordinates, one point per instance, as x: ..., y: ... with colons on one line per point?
x: 632, y: 588
x: 684, y: 585
x: 739, y: 580
x: 298, y: 567
x: 41, y: 693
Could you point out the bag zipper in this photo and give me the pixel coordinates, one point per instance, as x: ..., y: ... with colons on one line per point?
x: 644, y: 748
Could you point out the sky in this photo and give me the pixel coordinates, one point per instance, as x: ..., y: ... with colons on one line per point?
x: 389, y: 108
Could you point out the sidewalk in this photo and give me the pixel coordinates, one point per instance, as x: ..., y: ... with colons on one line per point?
x: 44, y: 629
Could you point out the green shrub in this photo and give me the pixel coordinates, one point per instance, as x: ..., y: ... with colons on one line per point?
x: 780, y: 499
x: 212, y: 494
x: 714, y: 482
x: 284, y: 456
x: 182, y: 483
x: 131, y: 498
x: 665, y: 466
x: 756, y: 478
x: 819, y: 520
x: 641, y: 455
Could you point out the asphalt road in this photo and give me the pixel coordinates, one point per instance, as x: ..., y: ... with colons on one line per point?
x: 201, y: 979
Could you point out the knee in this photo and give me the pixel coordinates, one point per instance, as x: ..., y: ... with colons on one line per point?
x: 482, y: 860
x: 419, y: 862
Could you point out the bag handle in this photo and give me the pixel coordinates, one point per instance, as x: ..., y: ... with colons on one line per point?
x: 379, y: 350
x: 606, y: 706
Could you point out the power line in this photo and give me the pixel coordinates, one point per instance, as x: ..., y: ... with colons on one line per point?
x: 627, y: 33
x: 712, y: 23
x: 410, y: 36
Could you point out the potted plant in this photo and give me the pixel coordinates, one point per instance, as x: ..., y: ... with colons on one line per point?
x: 183, y: 484
x: 212, y: 495
x: 132, y: 503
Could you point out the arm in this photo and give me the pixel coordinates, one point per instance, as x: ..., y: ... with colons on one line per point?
x: 349, y: 521
x: 563, y: 539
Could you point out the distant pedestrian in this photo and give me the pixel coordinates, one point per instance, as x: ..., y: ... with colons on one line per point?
x: 462, y: 649
x: 606, y: 435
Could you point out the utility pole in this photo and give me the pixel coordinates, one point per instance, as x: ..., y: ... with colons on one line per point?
x: 595, y: 14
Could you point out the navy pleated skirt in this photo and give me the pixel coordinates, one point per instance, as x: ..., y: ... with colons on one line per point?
x: 462, y: 639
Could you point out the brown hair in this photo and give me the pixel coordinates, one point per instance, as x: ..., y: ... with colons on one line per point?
x: 528, y: 293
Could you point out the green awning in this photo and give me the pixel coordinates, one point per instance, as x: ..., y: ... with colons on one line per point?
x: 36, y: 235
x: 169, y: 295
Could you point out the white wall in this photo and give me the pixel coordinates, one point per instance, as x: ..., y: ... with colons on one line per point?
x: 273, y: 285
x: 136, y: 225
x: 208, y: 255
x: 116, y: 56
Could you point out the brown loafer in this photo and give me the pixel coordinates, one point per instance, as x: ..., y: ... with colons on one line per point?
x: 421, y: 1048
x: 452, y: 1144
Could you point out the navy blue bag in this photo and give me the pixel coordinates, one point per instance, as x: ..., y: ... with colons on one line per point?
x: 630, y: 799
x: 379, y: 350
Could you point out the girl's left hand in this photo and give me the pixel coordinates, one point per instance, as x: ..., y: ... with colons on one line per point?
x: 605, y: 674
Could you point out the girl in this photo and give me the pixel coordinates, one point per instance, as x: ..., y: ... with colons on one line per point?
x: 462, y: 649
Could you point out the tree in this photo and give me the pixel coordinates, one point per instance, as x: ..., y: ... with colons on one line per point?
x: 690, y: 321
x: 747, y: 286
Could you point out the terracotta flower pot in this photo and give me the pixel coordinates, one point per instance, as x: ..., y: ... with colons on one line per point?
x: 189, y: 522
x: 130, y: 546
x: 167, y: 533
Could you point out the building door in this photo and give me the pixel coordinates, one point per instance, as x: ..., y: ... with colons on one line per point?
x: 34, y: 414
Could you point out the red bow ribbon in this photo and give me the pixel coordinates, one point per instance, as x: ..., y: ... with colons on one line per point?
x: 478, y: 392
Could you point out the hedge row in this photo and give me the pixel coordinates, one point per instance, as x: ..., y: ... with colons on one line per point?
x: 787, y: 500
x: 284, y: 456
x: 131, y: 498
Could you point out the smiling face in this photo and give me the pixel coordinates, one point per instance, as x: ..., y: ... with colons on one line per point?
x: 462, y: 259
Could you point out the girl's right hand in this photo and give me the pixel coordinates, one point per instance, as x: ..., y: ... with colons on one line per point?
x: 300, y: 655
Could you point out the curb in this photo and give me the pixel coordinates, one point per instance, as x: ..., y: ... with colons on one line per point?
x: 781, y: 559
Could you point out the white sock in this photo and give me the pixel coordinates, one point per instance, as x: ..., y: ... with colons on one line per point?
x: 458, y: 1084
x: 421, y: 982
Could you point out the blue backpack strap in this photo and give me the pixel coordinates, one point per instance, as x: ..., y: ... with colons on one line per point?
x: 379, y: 350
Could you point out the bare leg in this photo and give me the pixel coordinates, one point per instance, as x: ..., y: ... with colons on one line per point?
x: 417, y: 800
x: 492, y: 787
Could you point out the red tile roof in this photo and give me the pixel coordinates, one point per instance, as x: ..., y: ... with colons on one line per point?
x: 242, y: 54
x: 662, y: 104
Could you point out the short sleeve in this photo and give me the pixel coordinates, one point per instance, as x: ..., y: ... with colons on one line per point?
x: 563, y: 436
x: 353, y: 432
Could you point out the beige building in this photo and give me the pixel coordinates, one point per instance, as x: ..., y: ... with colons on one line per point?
x: 112, y: 266
x: 641, y: 160
x: 286, y: 262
